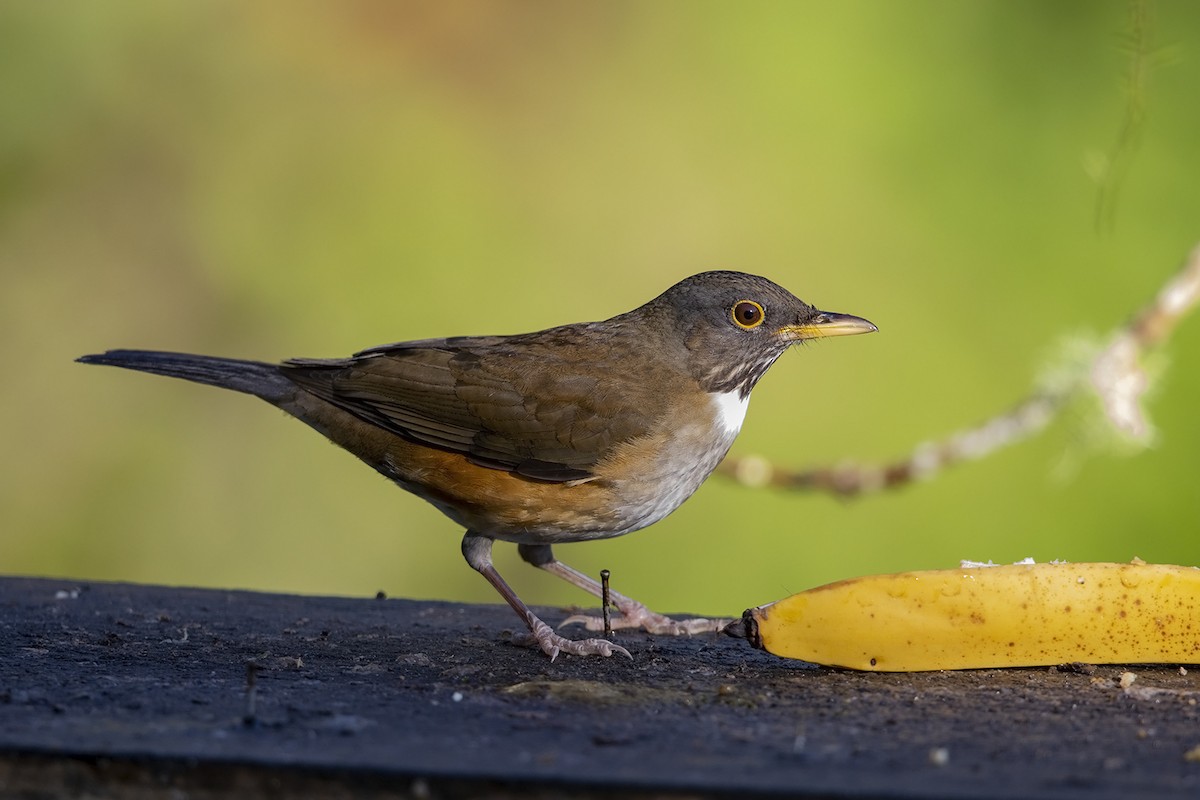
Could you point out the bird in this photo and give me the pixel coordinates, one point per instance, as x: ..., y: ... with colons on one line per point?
x: 578, y: 432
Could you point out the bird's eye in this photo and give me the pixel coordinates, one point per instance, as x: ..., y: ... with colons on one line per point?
x: 748, y: 314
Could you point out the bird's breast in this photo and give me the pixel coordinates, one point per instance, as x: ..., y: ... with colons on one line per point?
x: 653, y: 475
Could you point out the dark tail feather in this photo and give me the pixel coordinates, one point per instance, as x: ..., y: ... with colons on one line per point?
x: 252, y: 377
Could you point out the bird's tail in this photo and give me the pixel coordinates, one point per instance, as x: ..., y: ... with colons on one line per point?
x: 253, y: 377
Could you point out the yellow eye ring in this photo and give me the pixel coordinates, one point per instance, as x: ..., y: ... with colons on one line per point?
x: 748, y: 314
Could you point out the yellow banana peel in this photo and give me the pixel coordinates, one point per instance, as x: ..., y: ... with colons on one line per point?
x: 1020, y: 615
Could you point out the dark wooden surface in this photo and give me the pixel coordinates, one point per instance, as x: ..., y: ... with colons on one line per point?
x: 116, y: 690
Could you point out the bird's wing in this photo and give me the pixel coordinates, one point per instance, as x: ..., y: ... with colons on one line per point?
x: 539, y: 414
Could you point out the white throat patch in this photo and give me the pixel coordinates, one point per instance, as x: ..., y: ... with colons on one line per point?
x: 731, y: 410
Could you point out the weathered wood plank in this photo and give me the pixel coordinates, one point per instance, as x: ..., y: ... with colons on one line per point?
x: 114, y: 688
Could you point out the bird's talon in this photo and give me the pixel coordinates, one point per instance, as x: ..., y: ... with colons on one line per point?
x: 650, y: 622
x: 544, y: 638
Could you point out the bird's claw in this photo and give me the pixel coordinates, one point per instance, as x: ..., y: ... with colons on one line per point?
x: 649, y: 621
x: 543, y: 636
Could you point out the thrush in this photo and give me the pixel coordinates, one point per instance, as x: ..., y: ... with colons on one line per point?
x: 584, y: 431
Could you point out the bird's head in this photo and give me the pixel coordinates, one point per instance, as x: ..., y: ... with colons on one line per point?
x: 734, y: 326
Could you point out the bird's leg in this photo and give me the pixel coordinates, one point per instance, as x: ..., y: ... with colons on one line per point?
x: 477, y: 550
x: 633, y: 613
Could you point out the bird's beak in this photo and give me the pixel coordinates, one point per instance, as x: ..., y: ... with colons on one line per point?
x: 825, y: 324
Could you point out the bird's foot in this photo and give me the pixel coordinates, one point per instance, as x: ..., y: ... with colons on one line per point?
x: 636, y: 615
x: 543, y: 636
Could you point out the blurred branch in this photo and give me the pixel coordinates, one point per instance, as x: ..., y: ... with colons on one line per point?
x: 1114, y: 375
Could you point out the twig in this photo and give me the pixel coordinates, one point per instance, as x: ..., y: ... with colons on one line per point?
x: 606, y: 603
x: 1112, y: 169
x: 1115, y: 375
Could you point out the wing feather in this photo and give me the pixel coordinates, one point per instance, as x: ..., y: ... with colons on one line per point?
x: 542, y: 410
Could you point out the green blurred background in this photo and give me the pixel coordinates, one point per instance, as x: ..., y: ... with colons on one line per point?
x: 283, y: 179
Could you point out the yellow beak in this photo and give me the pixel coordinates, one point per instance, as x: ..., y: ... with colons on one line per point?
x: 826, y: 324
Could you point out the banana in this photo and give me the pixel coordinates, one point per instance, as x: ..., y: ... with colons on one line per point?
x: 1021, y: 615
